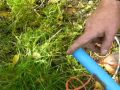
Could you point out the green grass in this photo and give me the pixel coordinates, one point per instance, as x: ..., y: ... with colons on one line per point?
x: 40, y: 34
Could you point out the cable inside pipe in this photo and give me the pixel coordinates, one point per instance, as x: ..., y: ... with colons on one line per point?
x: 118, y: 66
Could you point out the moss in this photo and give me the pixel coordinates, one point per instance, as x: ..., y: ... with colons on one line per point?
x: 40, y: 32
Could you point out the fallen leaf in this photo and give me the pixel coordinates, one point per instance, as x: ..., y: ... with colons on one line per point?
x: 15, y: 59
x: 4, y: 14
x: 36, y: 55
x: 98, y: 86
x: 70, y: 10
x: 110, y: 62
x: 53, y: 1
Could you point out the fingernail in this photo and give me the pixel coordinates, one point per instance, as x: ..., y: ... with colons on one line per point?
x: 68, y: 52
x: 104, y: 52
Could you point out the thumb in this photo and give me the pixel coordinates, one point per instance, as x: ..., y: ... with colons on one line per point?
x: 82, y: 40
x: 107, y: 43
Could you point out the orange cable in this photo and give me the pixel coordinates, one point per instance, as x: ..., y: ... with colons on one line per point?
x: 80, y: 87
x: 69, y: 81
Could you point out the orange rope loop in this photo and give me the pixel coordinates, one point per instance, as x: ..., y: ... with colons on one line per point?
x: 69, y: 82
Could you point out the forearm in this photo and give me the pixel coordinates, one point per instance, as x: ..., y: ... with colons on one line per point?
x: 110, y: 2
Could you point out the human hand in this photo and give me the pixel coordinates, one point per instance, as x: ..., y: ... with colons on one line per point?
x: 101, y: 28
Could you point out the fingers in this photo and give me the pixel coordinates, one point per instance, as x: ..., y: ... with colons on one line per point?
x: 107, y: 43
x: 93, y: 47
x: 85, y: 38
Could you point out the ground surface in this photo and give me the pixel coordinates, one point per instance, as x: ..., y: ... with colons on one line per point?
x: 34, y: 37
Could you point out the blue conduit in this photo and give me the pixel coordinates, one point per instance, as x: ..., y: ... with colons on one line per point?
x: 95, y: 69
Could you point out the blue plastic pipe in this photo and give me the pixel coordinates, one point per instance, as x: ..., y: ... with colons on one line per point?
x: 95, y: 69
